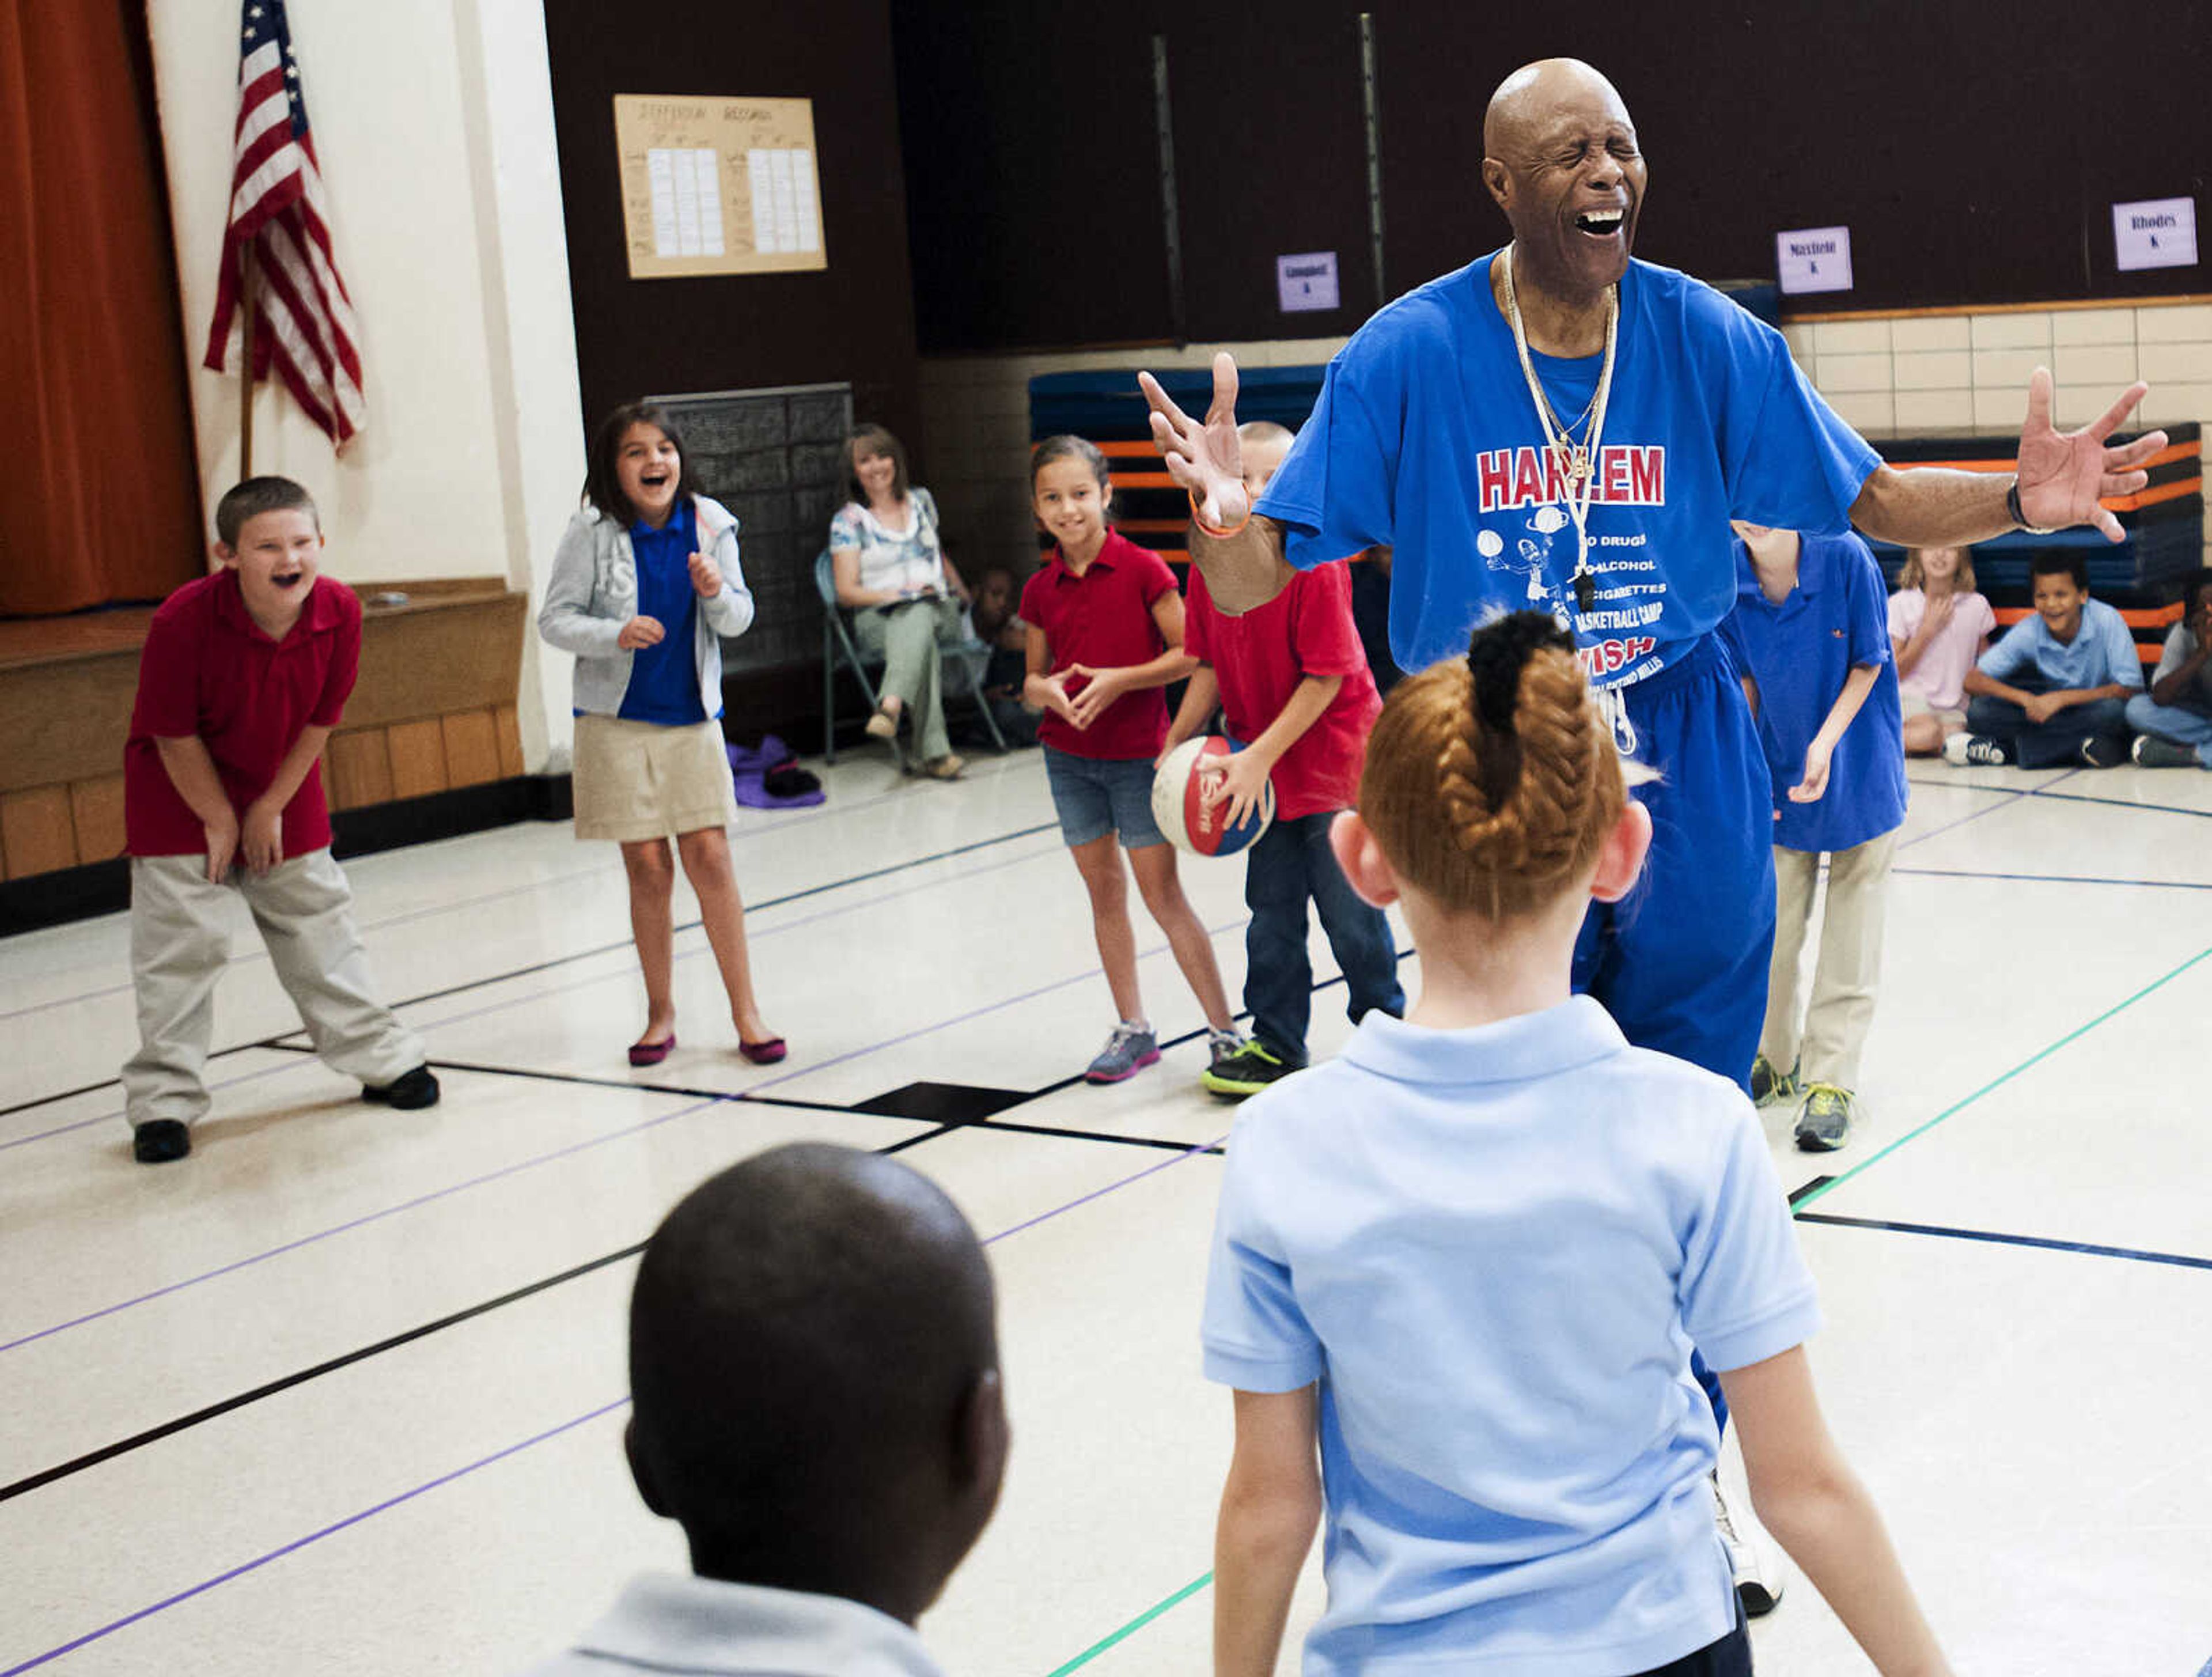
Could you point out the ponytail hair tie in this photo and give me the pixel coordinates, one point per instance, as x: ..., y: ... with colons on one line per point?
x: 1496, y: 655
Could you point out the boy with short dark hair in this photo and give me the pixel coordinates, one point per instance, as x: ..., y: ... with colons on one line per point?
x: 814, y: 1374
x: 1294, y: 687
x: 2173, y: 720
x: 244, y: 675
x: 2053, y: 691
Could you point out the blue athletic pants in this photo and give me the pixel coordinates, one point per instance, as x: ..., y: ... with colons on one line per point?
x: 1680, y: 962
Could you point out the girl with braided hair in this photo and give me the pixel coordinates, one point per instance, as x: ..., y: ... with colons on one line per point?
x: 1457, y: 1272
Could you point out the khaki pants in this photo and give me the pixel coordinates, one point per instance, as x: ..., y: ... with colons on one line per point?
x: 906, y: 637
x: 180, y: 942
x: 1845, y: 970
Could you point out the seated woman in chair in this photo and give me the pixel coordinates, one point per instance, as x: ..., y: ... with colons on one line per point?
x: 904, y: 594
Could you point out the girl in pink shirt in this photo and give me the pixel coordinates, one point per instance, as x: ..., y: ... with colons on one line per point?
x: 1938, y: 627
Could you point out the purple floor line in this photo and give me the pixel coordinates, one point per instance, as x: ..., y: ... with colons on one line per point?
x: 734, y: 1097
x: 299, y: 1543
x: 558, y: 989
x: 363, y: 1221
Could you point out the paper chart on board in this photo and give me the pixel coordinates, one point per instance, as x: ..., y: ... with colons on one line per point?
x: 719, y: 185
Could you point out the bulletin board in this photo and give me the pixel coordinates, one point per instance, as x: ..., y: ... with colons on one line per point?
x: 719, y: 185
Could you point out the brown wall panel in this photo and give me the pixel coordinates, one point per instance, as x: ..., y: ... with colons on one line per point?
x: 36, y: 832
x: 851, y: 321
x: 471, y: 748
x: 96, y: 813
x: 434, y: 658
x: 509, y: 727
x: 1973, y: 165
x: 359, y: 768
x: 65, y: 720
x: 418, y: 758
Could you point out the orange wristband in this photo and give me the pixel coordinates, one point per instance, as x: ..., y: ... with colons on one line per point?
x: 1198, y: 517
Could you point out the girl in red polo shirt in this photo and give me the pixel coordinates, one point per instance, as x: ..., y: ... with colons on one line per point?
x: 1105, y: 635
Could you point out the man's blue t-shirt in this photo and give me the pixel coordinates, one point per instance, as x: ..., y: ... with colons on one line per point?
x: 1494, y: 1247
x: 2102, y: 651
x: 1426, y: 440
x: 664, y: 678
x: 1800, y: 651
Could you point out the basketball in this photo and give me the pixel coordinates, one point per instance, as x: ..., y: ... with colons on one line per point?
x: 1180, y: 807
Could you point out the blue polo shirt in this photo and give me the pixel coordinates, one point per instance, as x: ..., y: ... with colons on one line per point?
x: 1494, y: 1247
x: 664, y: 679
x: 2102, y: 650
x: 1426, y: 440
x: 1835, y: 620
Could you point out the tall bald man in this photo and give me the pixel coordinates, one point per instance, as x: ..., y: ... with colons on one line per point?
x: 1559, y: 425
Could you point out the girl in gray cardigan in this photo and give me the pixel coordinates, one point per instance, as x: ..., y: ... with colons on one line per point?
x: 644, y: 585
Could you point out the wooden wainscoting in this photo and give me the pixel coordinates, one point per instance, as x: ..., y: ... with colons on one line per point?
x: 433, y: 710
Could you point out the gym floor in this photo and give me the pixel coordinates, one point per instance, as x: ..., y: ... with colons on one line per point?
x: 344, y: 1392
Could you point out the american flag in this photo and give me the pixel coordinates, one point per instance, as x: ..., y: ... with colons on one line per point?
x: 303, y: 319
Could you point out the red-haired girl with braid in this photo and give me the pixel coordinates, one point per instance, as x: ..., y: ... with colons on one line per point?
x: 1458, y: 1270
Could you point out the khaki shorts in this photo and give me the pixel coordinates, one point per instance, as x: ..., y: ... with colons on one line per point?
x: 1916, y: 704
x: 638, y: 780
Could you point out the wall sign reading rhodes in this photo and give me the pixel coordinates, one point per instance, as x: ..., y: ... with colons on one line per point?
x: 718, y: 184
x: 2156, y: 232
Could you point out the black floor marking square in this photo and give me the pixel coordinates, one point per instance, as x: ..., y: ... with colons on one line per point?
x: 943, y: 1103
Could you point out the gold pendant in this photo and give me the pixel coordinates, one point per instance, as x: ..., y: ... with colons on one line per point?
x: 1577, y: 470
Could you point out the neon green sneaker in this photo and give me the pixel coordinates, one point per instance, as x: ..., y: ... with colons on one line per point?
x: 1824, y: 1122
x: 1247, y: 1072
x: 1769, y: 1085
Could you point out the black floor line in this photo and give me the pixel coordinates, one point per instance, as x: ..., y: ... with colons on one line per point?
x: 108, y: 1453
x: 2057, y: 878
x: 583, y: 954
x: 1996, y: 1238
x: 1803, y: 1189
x: 2066, y: 797
x: 270, y: 1389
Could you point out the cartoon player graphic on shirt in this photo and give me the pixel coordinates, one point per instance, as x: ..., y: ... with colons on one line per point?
x: 1531, y: 558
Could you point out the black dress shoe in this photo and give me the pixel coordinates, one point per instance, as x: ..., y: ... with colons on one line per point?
x: 407, y: 1092
x: 158, y: 1140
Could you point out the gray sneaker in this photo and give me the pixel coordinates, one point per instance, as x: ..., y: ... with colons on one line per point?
x: 1824, y: 1122
x: 2152, y: 752
x: 1127, y: 1051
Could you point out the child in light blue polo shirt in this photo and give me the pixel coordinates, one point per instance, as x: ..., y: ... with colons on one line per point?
x: 2054, y: 691
x: 1457, y: 1273
x: 1818, y: 668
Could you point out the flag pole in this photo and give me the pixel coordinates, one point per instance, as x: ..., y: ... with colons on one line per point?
x: 247, y: 303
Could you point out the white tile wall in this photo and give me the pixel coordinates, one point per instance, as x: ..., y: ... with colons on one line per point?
x: 1931, y: 373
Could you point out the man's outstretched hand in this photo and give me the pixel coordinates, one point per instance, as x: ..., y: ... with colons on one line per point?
x: 1205, y: 458
x: 2063, y: 476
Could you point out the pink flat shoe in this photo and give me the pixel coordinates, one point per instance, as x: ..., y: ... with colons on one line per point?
x: 764, y: 1054
x: 652, y: 1054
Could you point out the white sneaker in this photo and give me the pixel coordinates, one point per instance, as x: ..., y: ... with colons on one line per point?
x: 1752, y: 1560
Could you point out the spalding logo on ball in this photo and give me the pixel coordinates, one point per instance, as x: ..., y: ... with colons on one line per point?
x: 1180, y: 806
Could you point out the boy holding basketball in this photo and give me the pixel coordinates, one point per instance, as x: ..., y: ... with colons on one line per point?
x: 1294, y: 685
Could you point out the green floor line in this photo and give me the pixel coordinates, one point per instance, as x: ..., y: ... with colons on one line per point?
x: 1134, y: 1626
x: 1957, y: 1107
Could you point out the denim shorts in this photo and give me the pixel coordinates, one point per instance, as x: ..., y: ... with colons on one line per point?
x: 1096, y: 796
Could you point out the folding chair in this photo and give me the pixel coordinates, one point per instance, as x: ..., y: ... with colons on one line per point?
x: 963, y: 660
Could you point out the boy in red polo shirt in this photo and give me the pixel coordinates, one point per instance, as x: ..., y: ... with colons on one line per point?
x: 1104, y: 636
x: 1292, y: 682
x: 243, y: 678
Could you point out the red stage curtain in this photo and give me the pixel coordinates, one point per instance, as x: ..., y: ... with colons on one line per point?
x: 99, y: 484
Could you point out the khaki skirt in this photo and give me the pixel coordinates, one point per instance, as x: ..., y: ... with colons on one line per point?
x: 637, y: 781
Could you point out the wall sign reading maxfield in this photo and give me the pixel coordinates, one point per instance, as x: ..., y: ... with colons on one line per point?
x: 1816, y: 259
